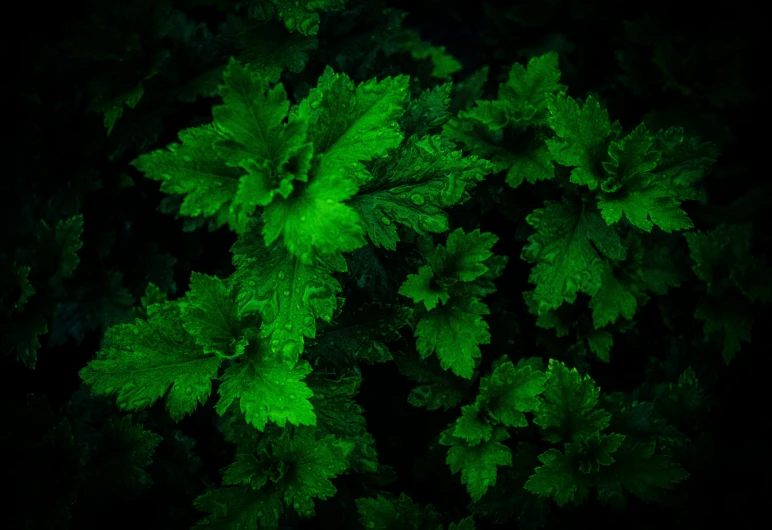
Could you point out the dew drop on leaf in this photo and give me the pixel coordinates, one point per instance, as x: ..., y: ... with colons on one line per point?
x: 308, y: 320
x: 385, y: 220
x: 189, y: 390
x: 282, y: 275
x: 288, y: 326
x: 416, y: 168
x: 315, y: 104
x: 286, y: 292
x: 417, y: 199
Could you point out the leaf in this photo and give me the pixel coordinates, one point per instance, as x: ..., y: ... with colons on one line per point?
x: 194, y: 169
x: 477, y: 464
x: 414, y: 186
x: 349, y: 124
x: 454, y: 332
x: 126, y: 451
x: 292, y: 472
x: 511, y: 391
x: 640, y: 471
x: 338, y: 413
x: 727, y: 324
x: 427, y: 112
x: 58, y: 248
x: 112, y: 105
x: 315, y: 463
x: 288, y: 295
x: 683, y: 161
x: 267, y: 48
x: 567, y: 249
x: 238, y: 508
x: 422, y: 287
x: 444, y: 65
x: 558, y: 478
x: 383, y: 513
x: 256, y: 137
x: 268, y: 390
x: 210, y: 315
x: 600, y: 343
x: 316, y: 222
x: 140, y: 362
x: 469, y: 90
x: 522, y: 100
x: 615, y: 298
x: 566, y: 408
x: 633, y: 191
x: 472, y: 426
x: 594, y: 450
x: 463, y: 255
x: 583, y: 135
x: 438, y: 388
x: 534, y: 163
x: 360, y: 335
x: 305, y: 18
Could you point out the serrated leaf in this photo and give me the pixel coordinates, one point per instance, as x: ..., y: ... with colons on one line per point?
x: 454, y: 332
x: 511, y: 391
x: 567, y: 406
x: 288, y: 295
x: 268, y: 390
x: 615, y: 298
x: 422, y: 287
x: 583, y: 135
x: 567, y: 250
x: 349, y: 124
x: 143, y: 361
x: 472, y: 426
x: 414, y: 187
x: 210, y: 315
x: 478, y: 464
x: 636, y: 193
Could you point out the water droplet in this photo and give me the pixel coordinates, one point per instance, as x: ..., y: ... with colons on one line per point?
x: 417, y: 199
x: 315, y: 104
x: 135, y: 331
x: 274, y: 343
x: 288, y: 326
x: 282, y: 275
x: 385, y: 220
x: 292, y: 396
x: 416, y: 168
x: 308, y: 321
x: 189, y: 390
x: 286, y: 292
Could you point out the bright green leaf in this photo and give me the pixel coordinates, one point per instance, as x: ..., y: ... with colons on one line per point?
x: 143, y: 361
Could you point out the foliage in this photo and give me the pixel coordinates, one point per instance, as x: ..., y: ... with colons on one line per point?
x: 372, y: 353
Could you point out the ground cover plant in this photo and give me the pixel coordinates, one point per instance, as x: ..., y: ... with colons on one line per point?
x: 384, y: 265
